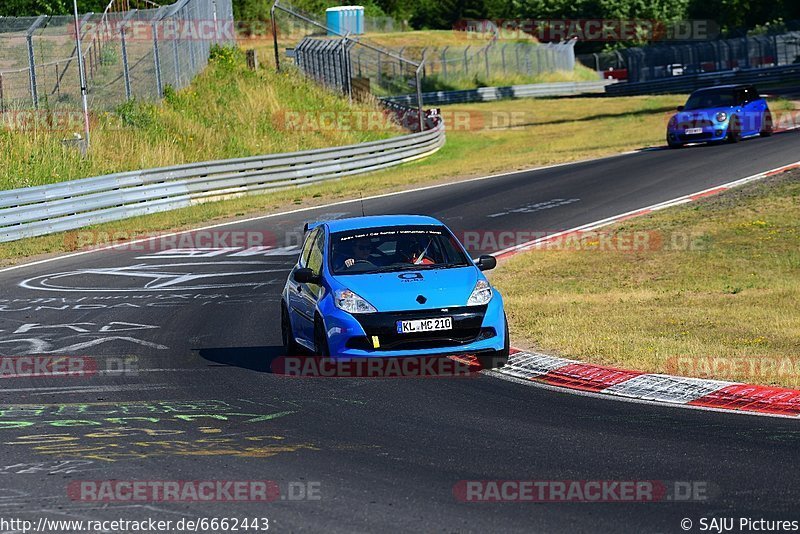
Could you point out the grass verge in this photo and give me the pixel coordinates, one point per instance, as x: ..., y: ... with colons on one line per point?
x: 712, y: 290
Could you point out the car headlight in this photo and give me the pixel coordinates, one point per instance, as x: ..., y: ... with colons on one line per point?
x: 673, y: 121
x: 351, y: 302
x: 721, y: 116
x: 481, y: 294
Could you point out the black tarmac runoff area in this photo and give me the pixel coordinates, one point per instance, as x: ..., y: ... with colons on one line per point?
x: 180, y: 340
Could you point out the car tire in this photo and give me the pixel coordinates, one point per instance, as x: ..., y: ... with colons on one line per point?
x: 498, y: 358
x: 766, y: 125
x: 320, y: 339
x: 674, y: 145
x: 290, y: 346
x: 734, y: 134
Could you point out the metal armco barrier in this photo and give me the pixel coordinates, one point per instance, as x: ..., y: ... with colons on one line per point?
x: 488, y: 94
x: 35, y: 211
x: 690, y: 82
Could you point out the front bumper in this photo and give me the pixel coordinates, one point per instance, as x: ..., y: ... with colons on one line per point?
x: 475, y: 329
x: 710, y: 133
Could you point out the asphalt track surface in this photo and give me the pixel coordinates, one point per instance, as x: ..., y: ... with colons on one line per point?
x: 385, y: 453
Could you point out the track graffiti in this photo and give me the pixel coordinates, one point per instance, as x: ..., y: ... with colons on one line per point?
x: 112, y: 432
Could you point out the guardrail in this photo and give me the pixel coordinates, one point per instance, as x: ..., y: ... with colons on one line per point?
x: 488, y: 94
x: 690, y: 82
x: 47, y: 209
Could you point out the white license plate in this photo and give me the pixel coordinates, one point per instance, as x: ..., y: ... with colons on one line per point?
x: 693, y: 131
x: 424, y: 325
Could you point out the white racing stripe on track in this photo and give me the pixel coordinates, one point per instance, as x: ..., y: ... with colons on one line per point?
x: 666, y: 388
x: 529, y: 365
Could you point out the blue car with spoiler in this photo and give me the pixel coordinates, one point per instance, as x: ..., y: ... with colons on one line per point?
x: 391, y: 286
x: 722, y: 113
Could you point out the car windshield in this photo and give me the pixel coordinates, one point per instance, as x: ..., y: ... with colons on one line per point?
x: 711, y: 99
x: 394, y: 248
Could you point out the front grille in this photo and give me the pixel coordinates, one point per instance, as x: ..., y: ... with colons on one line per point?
x: 466, y: 329
x: 695, y: 124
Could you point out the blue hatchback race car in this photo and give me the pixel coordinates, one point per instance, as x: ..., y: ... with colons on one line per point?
x: 391, y: 286
x: 722, y: 113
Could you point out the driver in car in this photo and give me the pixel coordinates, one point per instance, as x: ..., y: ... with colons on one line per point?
x: 361, y: 250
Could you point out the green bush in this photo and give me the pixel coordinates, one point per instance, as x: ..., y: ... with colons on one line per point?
x: 136, y: 114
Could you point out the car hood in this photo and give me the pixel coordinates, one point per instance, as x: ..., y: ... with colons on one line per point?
x: 703, y: 114
x: 398, y: 291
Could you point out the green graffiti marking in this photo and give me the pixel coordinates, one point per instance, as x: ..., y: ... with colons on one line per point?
x: 118, y: 431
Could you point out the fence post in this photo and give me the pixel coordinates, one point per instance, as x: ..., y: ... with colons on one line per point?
x: 125, y: 70
x: 399, y: 60
x: 82, y: 75
x: 274, y: 33
x: 776, y: 61
x: 746, y: 52
x: 2, y: 103
x: 192, y: 59
x: 96, y: 48
x: 31, y: 60
x: 466, y: 66
x: 175, y: 57
x: 348, y: 70
x: 420, y: 111
x: 344, y: 52
x: 503, y: 56
x: 156, y: 58
x: 444, y: 62
x: 516, y: 54
x: 58, y: 82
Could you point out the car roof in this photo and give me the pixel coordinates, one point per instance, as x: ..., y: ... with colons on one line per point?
x: 729, y: 86
x: 376, y: 221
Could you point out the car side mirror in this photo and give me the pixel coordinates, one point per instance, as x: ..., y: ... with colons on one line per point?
x: 305, y: 275
x: 486, y: 263
x: 680, y: 108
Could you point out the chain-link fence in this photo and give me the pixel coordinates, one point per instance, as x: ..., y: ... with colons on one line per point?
x: 128, y: 54
x: 329, y: 60
x: 383, y: 71
x: 494, y: 59
x: 665, y: 61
